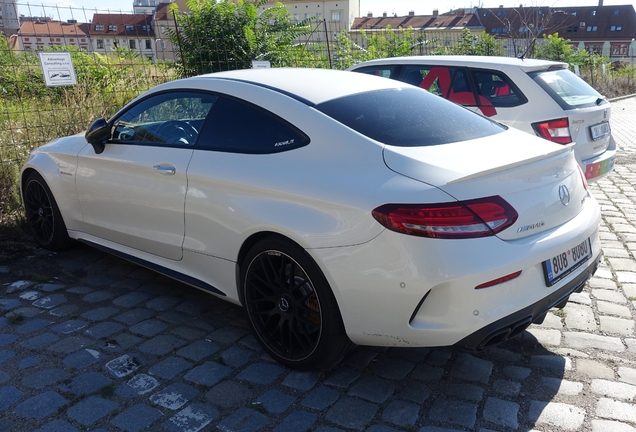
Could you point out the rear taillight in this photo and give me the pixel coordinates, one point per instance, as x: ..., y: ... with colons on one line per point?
x: 557, y: 131
x: 457, y: 220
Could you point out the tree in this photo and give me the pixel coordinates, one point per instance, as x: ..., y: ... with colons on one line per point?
x: 217, y: 36
x: 385, y: 43
x: 470, y: 44
x: 522, y: 27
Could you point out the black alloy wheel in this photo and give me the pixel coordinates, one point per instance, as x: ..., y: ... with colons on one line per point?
x: 290, y: 306
x: 43, y: 215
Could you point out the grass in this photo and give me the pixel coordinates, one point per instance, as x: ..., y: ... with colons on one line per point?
x: 107, y: 392
x: 560, y: 313
x: 40, y: 278
x: 15, y: 318
x: 257, y: 406
x: 33, y: 115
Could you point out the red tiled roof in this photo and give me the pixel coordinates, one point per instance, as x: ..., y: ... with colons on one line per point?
x: 53, y: 28
x: 418, y: 22
x: 141, y: 25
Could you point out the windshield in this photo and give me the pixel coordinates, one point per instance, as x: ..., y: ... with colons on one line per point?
x: 567, y: 89
x: 408, y: 117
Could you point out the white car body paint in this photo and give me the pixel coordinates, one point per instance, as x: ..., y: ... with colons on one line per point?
x: 321, y: 196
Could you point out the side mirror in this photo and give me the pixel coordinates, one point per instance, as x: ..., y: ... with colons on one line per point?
x: 97, y: 135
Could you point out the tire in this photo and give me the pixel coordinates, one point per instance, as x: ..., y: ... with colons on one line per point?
x: 290, y: 306
x: 43, y: 215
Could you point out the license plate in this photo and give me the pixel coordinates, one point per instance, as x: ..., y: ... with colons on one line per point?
x: 600, y: 130
x: 564, y: 263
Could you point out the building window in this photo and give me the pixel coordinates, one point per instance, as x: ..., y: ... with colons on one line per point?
x: 573, y: 29
x: 112, y: 27
x: 336, y: 16
x: 574, y: 13
x: 145, y: 28
x: 83, y: 40
x: 541, y: 11
x: 485, y: 13
x: 307, y: 16
x: 132, y: 44
x: 593, y: 13
x: 148, y: 44
x: 592, y: 28
x: 130, y: 27
x: 57, y: 39
x: 100, y: 43
x: 617, y: 11
x: 99, y: 27
x: 616, y: 28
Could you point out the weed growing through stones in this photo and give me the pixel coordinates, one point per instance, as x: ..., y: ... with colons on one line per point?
x: 257, y: 406
x: 39, y: 278
x: 560, y: 313
x: 107, y: 392
x: 15, y: 318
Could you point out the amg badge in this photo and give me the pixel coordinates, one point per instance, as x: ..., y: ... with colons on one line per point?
x: 531, y: 227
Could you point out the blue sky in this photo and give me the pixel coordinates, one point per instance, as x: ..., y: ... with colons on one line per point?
x: 62, y: 9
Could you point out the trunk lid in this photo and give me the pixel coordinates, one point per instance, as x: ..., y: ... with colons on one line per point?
x: 534, y: 176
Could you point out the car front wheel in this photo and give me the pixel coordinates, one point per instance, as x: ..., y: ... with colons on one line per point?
x: 43, y: 215
x: 290, y: 306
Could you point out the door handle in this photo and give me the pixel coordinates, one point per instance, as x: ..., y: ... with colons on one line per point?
x: 167, y: 170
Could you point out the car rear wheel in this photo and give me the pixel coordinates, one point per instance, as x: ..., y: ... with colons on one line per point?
x: 290, y: 306
x: 43, y: 215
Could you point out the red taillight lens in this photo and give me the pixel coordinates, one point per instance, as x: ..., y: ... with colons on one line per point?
x: 557, y: 131
x: 458, y: 220
x: 500, y: 280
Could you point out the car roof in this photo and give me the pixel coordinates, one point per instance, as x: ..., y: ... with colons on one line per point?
x: 312, y: 86
x: 475, y: 61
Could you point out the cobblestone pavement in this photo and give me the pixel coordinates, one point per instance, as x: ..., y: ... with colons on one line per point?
x: 91, y: 342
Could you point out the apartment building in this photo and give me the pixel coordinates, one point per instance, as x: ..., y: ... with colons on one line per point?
x: 339, y: 14
x: 605, y: 30
x: 132, y: 31
x: 9, y: 18
x: 444, y: 28
x: 37, y: 35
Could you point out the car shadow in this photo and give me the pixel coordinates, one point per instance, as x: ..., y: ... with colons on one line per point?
x: 507, y: 387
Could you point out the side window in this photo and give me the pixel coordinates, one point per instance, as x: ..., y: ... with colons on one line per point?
x: 496, y: 89
x: 167, y: 118
x: 239, y: 127
x: 448, y: 82
x: 383, y: 71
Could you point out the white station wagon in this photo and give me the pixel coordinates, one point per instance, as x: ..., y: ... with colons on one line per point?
x: 536, y: 96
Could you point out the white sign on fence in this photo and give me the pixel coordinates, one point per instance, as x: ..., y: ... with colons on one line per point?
x: 57, y: 68
x: 261, y: 64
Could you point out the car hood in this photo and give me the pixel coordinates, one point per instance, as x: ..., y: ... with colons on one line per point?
x: 526, y: 171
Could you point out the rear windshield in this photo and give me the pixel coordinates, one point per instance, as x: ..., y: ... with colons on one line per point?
x: 408, y: 117
x: 568, y: 90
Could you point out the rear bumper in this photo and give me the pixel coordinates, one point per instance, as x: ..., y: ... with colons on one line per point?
x: 514, y: 324
x: 598, y: 167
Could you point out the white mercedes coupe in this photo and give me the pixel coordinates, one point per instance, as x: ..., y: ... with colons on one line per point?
x: 336, y: 208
